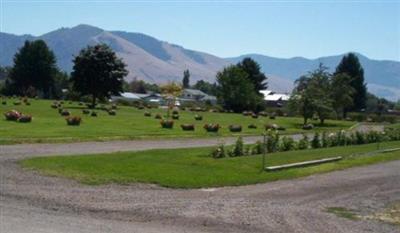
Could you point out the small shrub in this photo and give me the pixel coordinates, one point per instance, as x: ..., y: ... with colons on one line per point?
x: 211, y: 127
x: 158, y: 116
x: 308, y: 126
x: 287, y: 144
x: 272, y: 141
x: 303, y: 143
x: 25, y: 118
x: 112, y: 112
x: 247, y: 113
x: 315, y: 143
x: 272, y: 116
x: 218, y: 152
x: 238, y: 149
x: 167, y: 124
x: 17, y: 103
x: 147, y: 114
x: 175, y: 116
x: 12, y: 115
x: 252, y: 126
x: 198, y: 117
x: 73, y: 120
x: 255, y: 116
x: 114, y: 106
x: 235, y: 128
x: 54, y: 106
x: 187, y: 127
x: 324, y: 140
x: 93, y: 114
x: 4, y: 102
x: 85, y: 111
x: 258, y: 148
x: 65, y: 112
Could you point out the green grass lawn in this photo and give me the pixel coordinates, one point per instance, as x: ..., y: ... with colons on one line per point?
x: 194, y: 168
x: 129, y: 123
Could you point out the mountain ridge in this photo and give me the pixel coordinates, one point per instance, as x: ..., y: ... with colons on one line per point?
x: 159, y: 61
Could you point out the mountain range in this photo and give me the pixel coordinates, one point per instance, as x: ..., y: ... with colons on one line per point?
x: 157, y: 61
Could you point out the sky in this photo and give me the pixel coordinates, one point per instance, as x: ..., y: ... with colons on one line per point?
x: 227, y: 28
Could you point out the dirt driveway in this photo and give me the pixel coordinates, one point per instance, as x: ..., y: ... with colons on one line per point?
x: 33, y: 203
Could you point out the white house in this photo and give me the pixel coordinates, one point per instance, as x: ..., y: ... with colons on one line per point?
x: 275, y: 99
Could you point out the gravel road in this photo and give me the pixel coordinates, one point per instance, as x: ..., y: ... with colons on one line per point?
x: 33, y: 203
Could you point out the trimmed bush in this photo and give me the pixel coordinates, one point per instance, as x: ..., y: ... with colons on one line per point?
x: 65, y: 112
x: 4, y: 102
x: 12, y: 115
x: 281, y: 128
x: 85, y: 111
x: 187, y: 127
x: 212, y: 127
x: 272, y: 116
x: 252, y: 126
x: 235, y: 128
x: 158, y: 116
x: 175, y: 116
x: 25, y: 118
x: 247, y: 113
x: 175, y: 111
x: 167, y: 124
x: 17, y: 103
x: 198, y: 117
x: 308, y: 126
x: 114, y: 106
x: 112, y: 112
x: 264, y: 114
x: 271, y: 126
x: 255, y: 116
x: 93, y: 114
x: 73, y: 120
x: 147, y: 114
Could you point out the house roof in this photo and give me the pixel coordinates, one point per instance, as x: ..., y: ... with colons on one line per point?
x: 272, y: 96
x: 194, y: 92
x: 130, y: 95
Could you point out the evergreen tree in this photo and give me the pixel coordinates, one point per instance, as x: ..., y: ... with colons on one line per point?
x: 351, y: 66
x: 341, y: 93
x: 235, y: 91
x: 186, y: 79
x: 98, y: 72
x: 254, y: 74
x: 34, y: 68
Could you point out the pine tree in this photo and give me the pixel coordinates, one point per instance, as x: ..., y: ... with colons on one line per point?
x: 186, y: 79
x: 351, y: 66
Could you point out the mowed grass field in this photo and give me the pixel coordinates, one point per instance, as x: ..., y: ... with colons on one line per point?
x: 195, y: 168
x: 129, y: 123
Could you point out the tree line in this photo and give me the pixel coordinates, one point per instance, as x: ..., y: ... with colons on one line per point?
x: 99, y: 73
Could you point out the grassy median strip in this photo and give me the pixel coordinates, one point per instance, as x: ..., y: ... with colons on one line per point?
x: 194, y: 168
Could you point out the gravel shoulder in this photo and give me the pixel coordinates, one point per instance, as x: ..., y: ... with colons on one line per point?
x: 30, y: 202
